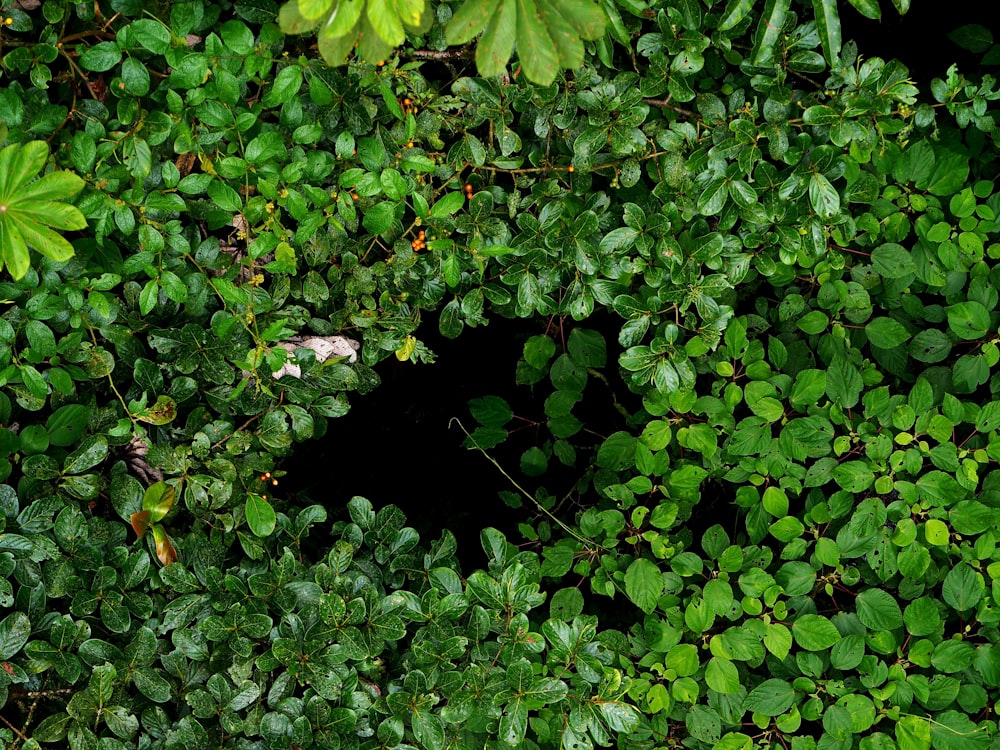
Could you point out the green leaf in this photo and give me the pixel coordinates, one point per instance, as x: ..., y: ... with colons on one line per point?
x: 843, y: 382
x: 963, y: 587
x: 91, y: 452
x: 261, y: 517
x: 808, y: 388
x: 491, y: 411
x: 158, y: 500
x: 973, y: 37
x: 769, y: 32
x: 429, y: 731
x: 536, y: 51
x: 379, y: 218
x: 67, y: 424
x: 497, y: 43
x: 775, y: 502
x: 868, y: 8
x: 968, y: 320
x: 29, y: 209
x: 878, y: 610
x: 469, y: 20
x: 15, y: 629
x: 814, y: 632
x: 448, y: 205
x: 886, y: 333
x: 828, y: 25
x: 952, y: 730
x: 342, y: 20
x: 913, y: 732
x: 384, y: 18
x: 823, y: 197
x: 286, y: 85
x: 892, y: 261
x: 224, y: 196
x: 102, y: 57
x: 771, y: 698
x: 929, y: 346
x: 722, y: 676
x: 644, y: 584
x: 736, y: 11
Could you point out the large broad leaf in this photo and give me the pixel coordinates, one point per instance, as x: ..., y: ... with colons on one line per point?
x: 469, y: 20
x: 261, y: 517
x: 828, y: 25
x: 535, y: 48
x: 736, y: 11
x: 769, y: 31
x: 30, y: 208
x: 643, y: 584
x: 497, y: 43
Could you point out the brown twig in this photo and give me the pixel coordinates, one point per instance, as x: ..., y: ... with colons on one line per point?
x: 448, y: 54
x: 666, y: 104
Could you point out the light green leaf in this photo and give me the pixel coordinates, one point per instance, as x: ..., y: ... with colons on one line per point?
x: 536, y: 51
x: 260, y: 515
x: 868, y: 8
x: 823, y: 196
x: 722, y: 676
x: 469, y: 20
x: 878, y: 610
x: 384, y: 18
x: 913, y: 732
x: 814, y: 632
x: 497, y: 43
x: 643, y: 584
x: 828, y: 25
x: 736, y: 11
x: 771, y: 698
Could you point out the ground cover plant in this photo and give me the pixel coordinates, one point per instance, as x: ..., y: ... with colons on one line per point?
x: 769, y: 262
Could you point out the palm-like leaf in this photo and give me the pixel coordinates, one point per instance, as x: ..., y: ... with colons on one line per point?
x: 31, y: 209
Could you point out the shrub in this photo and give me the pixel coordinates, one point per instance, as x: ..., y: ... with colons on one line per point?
x: 794, y: 513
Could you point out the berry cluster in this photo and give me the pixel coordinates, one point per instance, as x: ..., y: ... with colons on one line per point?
x: 266, y: 478
x: 419, y: 243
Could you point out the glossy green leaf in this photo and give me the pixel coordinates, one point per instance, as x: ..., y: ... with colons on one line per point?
x: 769, y: 31
x: 828, y: 25
x: 260, y: 515
x: 735, y: 11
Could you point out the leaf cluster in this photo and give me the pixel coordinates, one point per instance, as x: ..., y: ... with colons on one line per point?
x: 780, y: 290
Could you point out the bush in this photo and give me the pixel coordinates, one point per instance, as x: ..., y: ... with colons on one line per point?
x: 794, y: 513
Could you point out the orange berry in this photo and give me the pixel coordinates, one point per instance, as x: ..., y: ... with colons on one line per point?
x: 571, y: 168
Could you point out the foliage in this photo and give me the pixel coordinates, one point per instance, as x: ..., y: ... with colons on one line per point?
x: 548, y: 35
x: 29, y: 210
x: 763, y: 270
